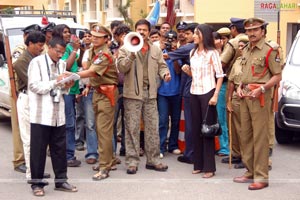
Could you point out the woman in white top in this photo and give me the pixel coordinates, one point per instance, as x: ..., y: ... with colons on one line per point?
x: 207, y: 76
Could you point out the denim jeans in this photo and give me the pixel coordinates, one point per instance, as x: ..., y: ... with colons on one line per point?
x: 91, y: 135
x: 119, y: 109
x: 80, y: 123
x: 70, y: 124
x: 169, y: 105
x: 221, y: 109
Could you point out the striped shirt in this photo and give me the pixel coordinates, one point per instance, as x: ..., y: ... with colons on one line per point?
x: 40, y: 81
x: 206, y: 67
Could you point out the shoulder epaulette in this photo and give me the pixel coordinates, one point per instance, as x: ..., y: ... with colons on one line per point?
x: 273, y: 44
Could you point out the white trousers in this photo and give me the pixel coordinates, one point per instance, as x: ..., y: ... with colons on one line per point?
x: 24, y: 124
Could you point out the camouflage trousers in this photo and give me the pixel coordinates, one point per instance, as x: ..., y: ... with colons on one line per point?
x: 133, y: 110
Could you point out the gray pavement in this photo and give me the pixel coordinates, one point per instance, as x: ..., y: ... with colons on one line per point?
x: 177, y: 183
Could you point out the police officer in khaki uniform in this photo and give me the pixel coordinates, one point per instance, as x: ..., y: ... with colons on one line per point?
x: 228, y: 57
x: 19, y: 160
x: 257, y: 81
x: 104, y: 79
x: 19, y: 49
x: 233, y: 105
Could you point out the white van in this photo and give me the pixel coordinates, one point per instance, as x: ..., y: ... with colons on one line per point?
x: 287, y: 119
x: 11, y: 36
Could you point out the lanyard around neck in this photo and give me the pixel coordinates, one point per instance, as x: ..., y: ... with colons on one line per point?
x: 48, y: 68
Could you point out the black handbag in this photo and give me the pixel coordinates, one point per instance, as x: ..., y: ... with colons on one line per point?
x: 210, y: 131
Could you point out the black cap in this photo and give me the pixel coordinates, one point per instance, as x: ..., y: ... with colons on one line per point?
x: 171, y: 35
x: 237, y: 22
x: 49, y: 27
x: 33, y: 27
x: 181, y: 25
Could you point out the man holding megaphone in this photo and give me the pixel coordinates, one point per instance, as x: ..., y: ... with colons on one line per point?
x: 143, y: 66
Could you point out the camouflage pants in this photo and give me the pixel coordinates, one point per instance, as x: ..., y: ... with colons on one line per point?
x: 133, y: 111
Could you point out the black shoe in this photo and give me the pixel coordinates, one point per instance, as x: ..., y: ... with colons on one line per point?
x: 80, y: 147
x: 234, y: 160
x: 21, y: 168
x: 184, y: 159
x: 122, y: 153
x: 73, y: 163
x: 65, y: 187
x: 270, y: 152
x: 46, y: 175
x: 239, y: 165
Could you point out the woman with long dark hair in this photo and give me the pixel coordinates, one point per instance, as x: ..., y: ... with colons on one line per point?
x: 207, y: 76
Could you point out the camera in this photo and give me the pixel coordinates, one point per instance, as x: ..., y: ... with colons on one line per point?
x: 170, y: 37
x: 114, y: 46
x: 55, y: 93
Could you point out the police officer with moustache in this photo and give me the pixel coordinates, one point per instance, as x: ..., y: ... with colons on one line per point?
x: 260, y: 72
x: 104, y: 79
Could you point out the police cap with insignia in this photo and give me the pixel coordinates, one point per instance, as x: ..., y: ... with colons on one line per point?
x: 224, y: 31
x: 181, y: 25
x: 100, y: 31
x: 254, y: 22
x: 49, y: 27
x: 33, y: 27
x: 237, y: 22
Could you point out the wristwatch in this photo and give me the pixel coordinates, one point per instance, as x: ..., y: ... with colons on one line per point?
x: 263, y: 90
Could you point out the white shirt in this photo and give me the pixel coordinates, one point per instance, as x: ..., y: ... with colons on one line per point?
x: 206, y: 67
x: 41, y: 106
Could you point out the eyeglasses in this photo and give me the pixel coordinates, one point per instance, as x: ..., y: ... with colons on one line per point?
x: 58, y: 51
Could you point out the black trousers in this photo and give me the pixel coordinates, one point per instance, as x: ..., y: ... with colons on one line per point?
x: 41, y: 137
x: 204, y: 148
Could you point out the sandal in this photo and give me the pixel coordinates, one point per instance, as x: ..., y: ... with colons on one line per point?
x: 197, y: 171
x: 102, y: 174
x: 38, y: 191
x: 208, y: 174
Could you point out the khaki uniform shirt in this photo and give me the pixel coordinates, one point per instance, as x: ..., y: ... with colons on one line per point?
x: 21, y: 69
x: 254, y: 61
x: 230, y: 52
x: 17, y: 52
x: 103, y: 63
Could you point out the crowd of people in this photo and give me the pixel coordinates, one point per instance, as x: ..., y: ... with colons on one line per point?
x: 135, y: 97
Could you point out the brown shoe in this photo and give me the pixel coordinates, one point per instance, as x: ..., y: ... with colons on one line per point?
x: 160, y: 167
x: 91, y: 161
x: 243, y: 179
x: 257, y: 186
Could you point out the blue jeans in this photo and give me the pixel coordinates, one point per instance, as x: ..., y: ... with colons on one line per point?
x: 91, y: 135
x: 221, y: 109
x: 169, y: 105
x: 70, y: 124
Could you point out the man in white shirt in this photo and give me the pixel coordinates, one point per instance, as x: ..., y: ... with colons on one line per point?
x: 47, y: 117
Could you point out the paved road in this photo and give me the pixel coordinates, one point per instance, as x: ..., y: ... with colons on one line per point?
x: 177, y: 183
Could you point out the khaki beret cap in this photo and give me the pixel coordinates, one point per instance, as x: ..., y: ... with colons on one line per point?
x: 224, y: 31
x: 244, y: 38
x: 100, y: 31
x: 254, y: 22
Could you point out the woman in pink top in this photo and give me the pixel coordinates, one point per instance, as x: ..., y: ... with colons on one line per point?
x: 207, y: 76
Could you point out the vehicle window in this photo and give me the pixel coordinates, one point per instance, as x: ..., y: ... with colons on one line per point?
x: 295, y: 58
x: 15, y: 37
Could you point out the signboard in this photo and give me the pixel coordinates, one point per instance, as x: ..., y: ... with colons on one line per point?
x: 268, y: 9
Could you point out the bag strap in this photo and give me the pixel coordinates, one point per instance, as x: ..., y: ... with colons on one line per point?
x: 205, y: 116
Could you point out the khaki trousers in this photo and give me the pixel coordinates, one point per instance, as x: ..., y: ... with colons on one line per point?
x: 104, y: 119
x: 255, y: 137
